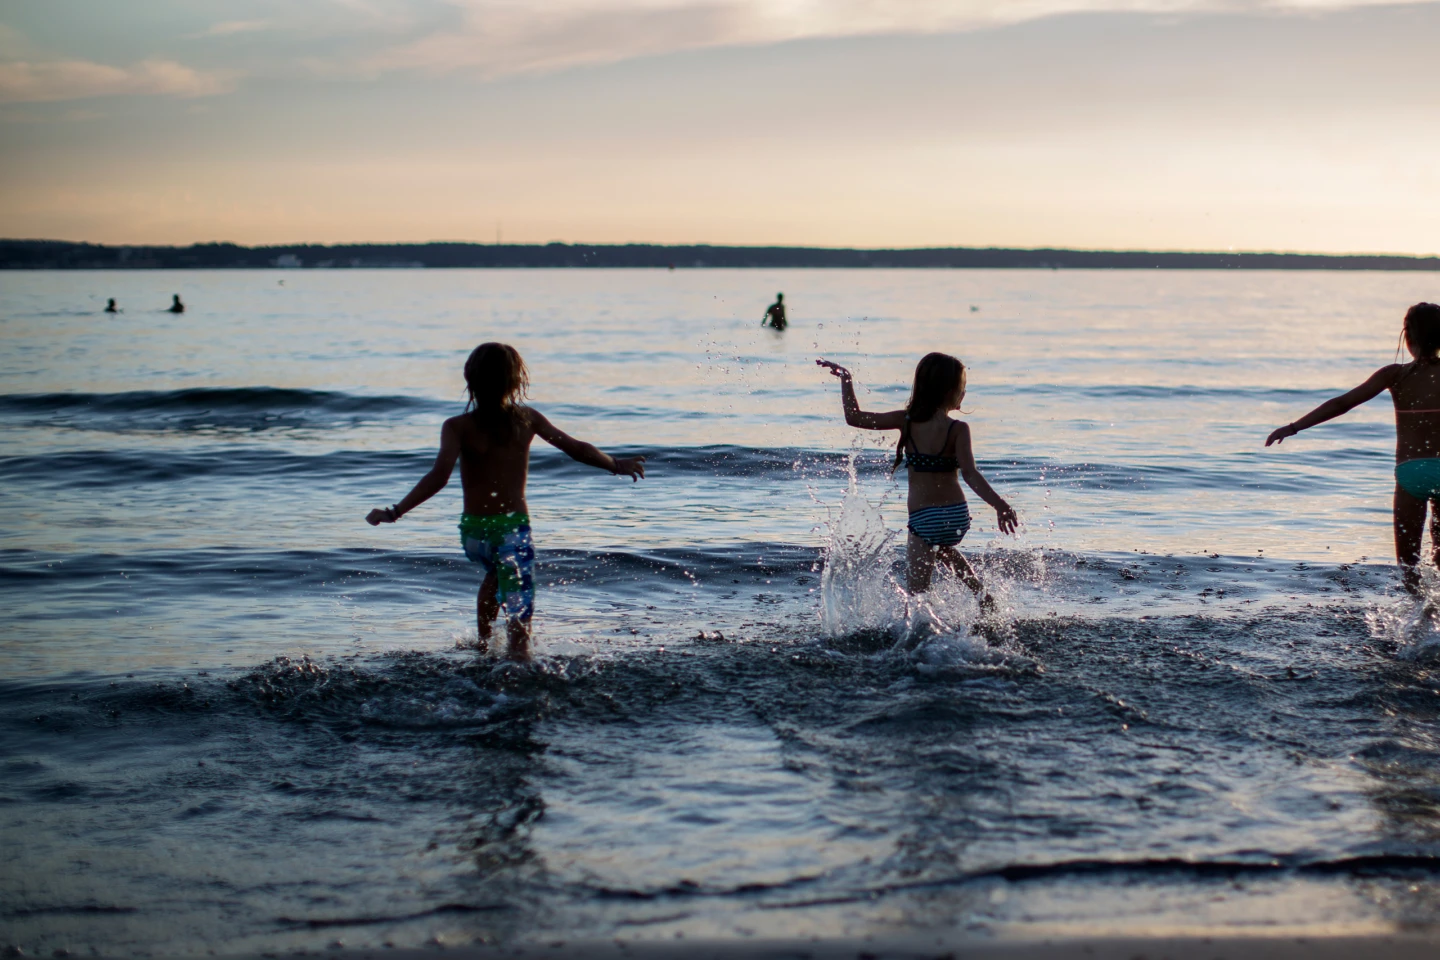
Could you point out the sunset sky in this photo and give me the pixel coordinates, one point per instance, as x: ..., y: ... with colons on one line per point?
x: 1082, y: 123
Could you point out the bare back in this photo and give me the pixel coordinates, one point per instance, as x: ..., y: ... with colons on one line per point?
x: 1416, y: 392
x: 942, y: 436
x: 492, y: 474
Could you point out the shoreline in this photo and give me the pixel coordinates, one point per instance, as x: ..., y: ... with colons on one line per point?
x: 1396, y: 946
x: 66, y: 255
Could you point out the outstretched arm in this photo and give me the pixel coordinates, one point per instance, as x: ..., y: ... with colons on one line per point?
x: 429, y: 485
x: 632, y: 467
x: 1005, y: 516
x: 1381, y: 380
x: 894, y: 420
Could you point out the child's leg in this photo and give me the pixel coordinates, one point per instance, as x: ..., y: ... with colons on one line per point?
x: 517, y: 631
x: 486, y: 606
x: 1409, y: 530
x: 1434, y: 532
x: 956, y: 561
x: 517, y: 590
x: 919, y: 564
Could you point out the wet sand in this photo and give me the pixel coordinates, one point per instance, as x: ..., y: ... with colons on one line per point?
x: 1391, y: 947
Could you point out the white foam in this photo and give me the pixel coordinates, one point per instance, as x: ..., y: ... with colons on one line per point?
x: 1410, y: 624
x: 862, y: 590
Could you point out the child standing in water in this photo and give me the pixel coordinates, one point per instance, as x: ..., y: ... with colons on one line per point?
x: 492, y: 442
x: 939, y: 516
x: 1415, y: 389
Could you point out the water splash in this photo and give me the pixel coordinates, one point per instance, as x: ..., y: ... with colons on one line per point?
x: 1411, y: 625
x: 863, y: 596
x: 858, y: 590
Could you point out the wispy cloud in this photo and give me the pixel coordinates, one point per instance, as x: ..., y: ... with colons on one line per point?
x: 13, y: 44
x: 228, y: 28
x: 39, y: 82
x: 493, y: 38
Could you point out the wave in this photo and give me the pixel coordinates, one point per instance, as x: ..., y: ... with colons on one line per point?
x: 119, y: 469
x: 1164, y: 867
x: 209, y: 408
x: 122, y: 468
x: 376, y: 573
x: 1143, y: 391
x: 258, y: 408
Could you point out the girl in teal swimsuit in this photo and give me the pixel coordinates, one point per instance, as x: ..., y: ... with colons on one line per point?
x: 939, y: 515
x: 1415, y: 388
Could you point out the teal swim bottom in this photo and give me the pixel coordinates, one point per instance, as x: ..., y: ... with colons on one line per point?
x: 1420, y: 478
x: 501, y: 544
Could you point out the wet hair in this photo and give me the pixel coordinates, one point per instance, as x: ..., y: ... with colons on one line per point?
x: 1422, y: 331
x: 938, y: 377
x: 496, y: 379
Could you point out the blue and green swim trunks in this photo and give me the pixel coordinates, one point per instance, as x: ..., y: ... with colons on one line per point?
x: 500, y: 542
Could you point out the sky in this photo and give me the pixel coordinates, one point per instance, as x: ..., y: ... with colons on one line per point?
x: 1097, y: 124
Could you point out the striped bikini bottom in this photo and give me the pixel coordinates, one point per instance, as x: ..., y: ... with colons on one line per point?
x: 941, y: 526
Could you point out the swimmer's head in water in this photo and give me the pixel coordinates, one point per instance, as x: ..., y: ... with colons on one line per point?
x: 938, y: 388
x: 1421, y: 332
x: 496, y: 379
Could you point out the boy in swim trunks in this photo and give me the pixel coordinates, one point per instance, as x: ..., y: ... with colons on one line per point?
x: 1415, y: 389
x: 491, y: 439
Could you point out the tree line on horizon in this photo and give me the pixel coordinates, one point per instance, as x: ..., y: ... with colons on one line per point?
x: 66, y: 255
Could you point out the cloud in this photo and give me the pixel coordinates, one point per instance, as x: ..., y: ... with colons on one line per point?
x: 29, y: 82
x: 12, y: 43
x: 228, y: 28
x: 494, y: 38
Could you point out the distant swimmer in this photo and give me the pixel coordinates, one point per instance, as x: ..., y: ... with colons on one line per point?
x: 775, y: 314
x: 491, y: 440
x: 176, y: 306
x: 110, y: 306
x: 1415, y: 390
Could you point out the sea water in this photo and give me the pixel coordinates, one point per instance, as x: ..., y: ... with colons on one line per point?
x: 235, y: 718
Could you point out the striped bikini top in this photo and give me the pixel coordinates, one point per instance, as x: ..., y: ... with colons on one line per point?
x: 932, y: 462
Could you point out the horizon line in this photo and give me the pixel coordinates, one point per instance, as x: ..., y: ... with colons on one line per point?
x: 540, y: 244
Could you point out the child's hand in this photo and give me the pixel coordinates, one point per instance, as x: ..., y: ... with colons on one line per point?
x: 1281, y: 433
x: 1006, y: 518
x: 632, y: 467
x: 834, y: 368
x: 377, y: 517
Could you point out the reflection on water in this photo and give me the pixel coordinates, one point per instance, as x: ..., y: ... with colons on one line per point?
x: 236, y: 718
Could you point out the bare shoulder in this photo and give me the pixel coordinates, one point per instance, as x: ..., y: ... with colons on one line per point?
x: 1388, y: 377
x: 532, y: 423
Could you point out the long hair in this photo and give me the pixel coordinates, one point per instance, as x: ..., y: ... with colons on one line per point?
x: 496, y: 379
x: 938, y: 377
x: 1422, y: 331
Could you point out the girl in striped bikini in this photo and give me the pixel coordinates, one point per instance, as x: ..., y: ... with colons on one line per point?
x: 1415, y: 388
x: 939, y: 516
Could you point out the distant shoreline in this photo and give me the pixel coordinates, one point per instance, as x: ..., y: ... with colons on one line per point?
x: 65, y: 255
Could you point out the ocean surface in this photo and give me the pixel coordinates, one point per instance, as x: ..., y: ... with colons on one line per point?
x: 235, y: 718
